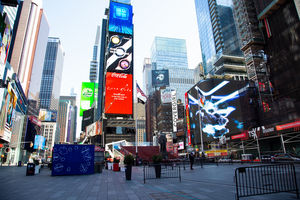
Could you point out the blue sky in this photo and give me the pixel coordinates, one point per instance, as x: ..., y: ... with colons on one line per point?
x: 75, y: 23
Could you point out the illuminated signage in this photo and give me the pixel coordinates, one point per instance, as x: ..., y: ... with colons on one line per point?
x: 120, y: 18
x: 187, y: 114
x: 87, y: 96
x: 119, y: 54
x: 6, y: 35
x: 118, y: 93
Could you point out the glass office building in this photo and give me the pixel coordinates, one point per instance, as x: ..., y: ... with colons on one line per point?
x: 220, y: 48
x: 171, y: 54
x: 52, y: 75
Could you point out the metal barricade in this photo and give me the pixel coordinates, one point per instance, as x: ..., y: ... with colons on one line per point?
x: 265, y: 179
x: 163, y: 170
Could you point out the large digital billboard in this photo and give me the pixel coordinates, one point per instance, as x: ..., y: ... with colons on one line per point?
x: 87, y: 96
x: 118, y: 93
x: 160, y: 78
x: 120, y: 18
x: 119, y: 54
x: 5, y: 39
x: 216, y: 103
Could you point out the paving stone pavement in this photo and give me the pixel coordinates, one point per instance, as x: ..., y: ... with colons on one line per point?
x: 209, y: 182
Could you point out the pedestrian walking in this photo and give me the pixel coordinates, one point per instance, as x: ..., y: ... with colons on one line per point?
x: 192, y: 160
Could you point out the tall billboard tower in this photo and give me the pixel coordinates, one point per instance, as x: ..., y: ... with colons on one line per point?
x: 118, y: 70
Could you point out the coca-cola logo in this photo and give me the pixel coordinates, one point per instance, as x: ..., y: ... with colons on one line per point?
x: 119, y: 75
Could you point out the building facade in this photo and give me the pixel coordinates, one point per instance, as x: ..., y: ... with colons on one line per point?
x: 52, y: 75
x: 37, y: 70
x: 25, y: 38
x: 220, y: 48
x: 170, y: 54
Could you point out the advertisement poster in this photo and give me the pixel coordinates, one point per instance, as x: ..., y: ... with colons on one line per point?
x: 165, y: 95
x: 4, y: 95
x: 118, y: 93
x: 5, y: 39
x: 72, y: 159
x: 160, y: 78
x: 169, y: 145
x: 39, y: 142
x: 87, y: 96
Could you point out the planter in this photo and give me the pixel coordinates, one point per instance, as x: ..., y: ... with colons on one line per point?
x: 128, y: 170
x: 115, y: 167
x: 157, y: 170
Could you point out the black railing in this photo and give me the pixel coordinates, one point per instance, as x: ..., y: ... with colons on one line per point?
x: 163, y: 170
x: 265, y: 179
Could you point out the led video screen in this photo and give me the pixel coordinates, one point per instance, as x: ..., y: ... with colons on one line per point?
x: 217, y: 103
x: 119, y: 57
x: 118, y: 93
x: 120, y: 18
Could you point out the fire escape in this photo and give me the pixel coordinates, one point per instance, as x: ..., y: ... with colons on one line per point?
x: 252, y: 44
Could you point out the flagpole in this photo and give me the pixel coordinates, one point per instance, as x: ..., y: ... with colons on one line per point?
x: 136, y: 131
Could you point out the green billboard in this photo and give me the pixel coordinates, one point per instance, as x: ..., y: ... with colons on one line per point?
x: 87, y: 96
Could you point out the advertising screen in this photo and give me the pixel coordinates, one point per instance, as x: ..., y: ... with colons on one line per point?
x: 47, y: 115
x: 72, y: 159
x: 181, y: 145
x: 10, y: 109
x: 169, y: 145
x: 118, y: 93
x: 120, y: 18
x: 119, y: 54
x: 87, y: 96
x: 160, y: 78
x: 216, y: 103
x: 87, y: 118
x: 39, y: 142
x: 5, y: 39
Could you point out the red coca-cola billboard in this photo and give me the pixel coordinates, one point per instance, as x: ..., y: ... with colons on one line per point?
x: 118, y: 93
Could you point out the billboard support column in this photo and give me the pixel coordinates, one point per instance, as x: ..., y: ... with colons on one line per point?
x: 283, y: 146
x: 258, y: 148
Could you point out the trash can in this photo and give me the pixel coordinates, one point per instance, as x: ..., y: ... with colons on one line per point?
x: 30, y: 169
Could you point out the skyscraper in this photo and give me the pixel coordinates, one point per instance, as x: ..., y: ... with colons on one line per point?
x: 25, y: 40
x: 146, y: 75
x: 52, y: 75
x: 94, y: 62
x: 221, y: 52
x: 171, y: 54
x: 37, y: 70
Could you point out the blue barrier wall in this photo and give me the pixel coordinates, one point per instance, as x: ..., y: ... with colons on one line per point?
x: 72, y: 159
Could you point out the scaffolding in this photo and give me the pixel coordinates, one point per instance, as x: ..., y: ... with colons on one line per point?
x: 252, y: 44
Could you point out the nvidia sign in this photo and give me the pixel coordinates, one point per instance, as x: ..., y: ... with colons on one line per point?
x: 87, y: 96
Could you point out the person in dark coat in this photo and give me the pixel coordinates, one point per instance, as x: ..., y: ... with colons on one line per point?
x: 191, y: 160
